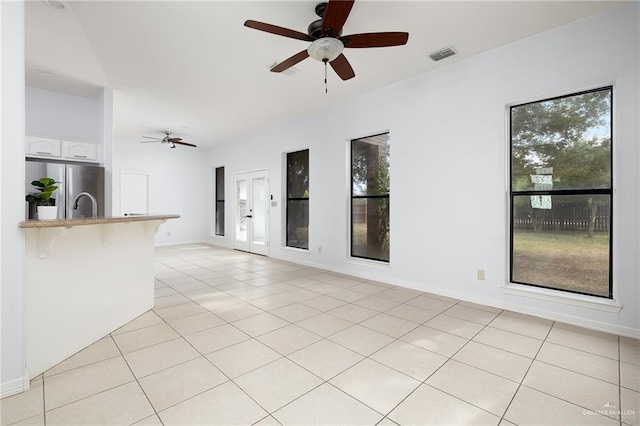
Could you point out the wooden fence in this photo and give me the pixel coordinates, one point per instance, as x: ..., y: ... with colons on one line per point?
x: 563, y: 218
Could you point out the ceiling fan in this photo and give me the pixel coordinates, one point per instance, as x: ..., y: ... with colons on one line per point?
x: 327, y: 41
x: 168, y: 139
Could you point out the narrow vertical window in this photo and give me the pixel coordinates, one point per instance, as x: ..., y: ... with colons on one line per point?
x: 298, y: 199
x: 561, y: 190
x: 220, y: 201
x: 370, y: 233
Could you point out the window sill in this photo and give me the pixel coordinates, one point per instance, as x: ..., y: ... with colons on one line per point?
x: 368, y: 262
x: 580, y: 300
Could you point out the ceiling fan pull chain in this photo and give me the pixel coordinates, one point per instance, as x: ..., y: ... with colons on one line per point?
x: 326, y: 89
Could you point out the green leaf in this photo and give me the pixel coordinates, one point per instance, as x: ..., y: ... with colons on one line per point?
x: 47, y: 181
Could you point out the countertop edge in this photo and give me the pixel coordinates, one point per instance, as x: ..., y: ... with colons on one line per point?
x: 65, y: 223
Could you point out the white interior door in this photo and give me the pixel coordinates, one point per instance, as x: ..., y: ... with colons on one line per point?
x: 251, y: 212
x: 134, y: 193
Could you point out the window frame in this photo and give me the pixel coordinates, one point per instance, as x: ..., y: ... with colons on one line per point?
x: 559, y: 192
x: 216, y: 200
x: 288, y: 199
x: 352, y: 197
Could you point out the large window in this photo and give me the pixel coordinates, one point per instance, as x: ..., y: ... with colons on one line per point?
x: 561, y: 193
x: 370, y: 197
x: 298, y: 199
x: 220, y: 201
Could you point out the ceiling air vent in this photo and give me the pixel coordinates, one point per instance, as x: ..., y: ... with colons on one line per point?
x: 439, y: 55
x: 288, y: 72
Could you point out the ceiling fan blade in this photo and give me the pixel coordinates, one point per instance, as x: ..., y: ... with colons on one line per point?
x: 342, y: 67
x: 288, y: 63
x: 149, y: 137
x: 335, y: 16
x: 184, y: 143
x: 375, y: 39
x: 174, y: 139
x: 274, y: 29
x: 151, y: 141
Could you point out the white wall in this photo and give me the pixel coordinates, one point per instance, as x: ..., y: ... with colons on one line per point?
x: 12, y: 328
x: 177, y: 184
x: 448, y: 151
x: 64, y: 116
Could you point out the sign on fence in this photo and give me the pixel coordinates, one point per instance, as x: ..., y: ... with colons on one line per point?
x: 541, y: 202
x: 542, y: 181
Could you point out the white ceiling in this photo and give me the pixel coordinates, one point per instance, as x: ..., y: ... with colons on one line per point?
x: 193, y: 68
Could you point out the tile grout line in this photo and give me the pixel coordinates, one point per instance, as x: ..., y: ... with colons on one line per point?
x: 526, y: 373
x: 584, y: 351
x: 562, y: 368
x: 92, y: 395
x: 44, y: 402
x: 619, y: 382
x: 229, y: 379
x: 424, y: 382
x: 138, y: 382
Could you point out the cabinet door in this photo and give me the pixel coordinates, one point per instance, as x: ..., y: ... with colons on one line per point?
x: 42, y: 147
x: 79, y: 151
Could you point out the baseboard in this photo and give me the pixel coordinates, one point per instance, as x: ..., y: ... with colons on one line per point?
x: 13, y: 387
x: 179, y: 243
x: 219, y: 242
x: 474, y: 298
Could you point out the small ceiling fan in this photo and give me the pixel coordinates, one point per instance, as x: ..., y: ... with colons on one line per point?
x: 327, y: 41
x: 168, y: 139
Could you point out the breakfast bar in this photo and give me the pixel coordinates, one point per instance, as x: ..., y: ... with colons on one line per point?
x: 84, y: 279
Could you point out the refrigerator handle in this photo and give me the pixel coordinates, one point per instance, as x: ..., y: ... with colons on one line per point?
x: 62, y: 193
x: 69, y: 189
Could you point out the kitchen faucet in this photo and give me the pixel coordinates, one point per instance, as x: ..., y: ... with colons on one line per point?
x: 94, y: 203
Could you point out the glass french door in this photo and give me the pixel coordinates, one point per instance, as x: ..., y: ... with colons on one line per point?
x: 251, y: 212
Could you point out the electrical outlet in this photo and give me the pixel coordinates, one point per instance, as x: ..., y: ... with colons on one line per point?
x: 319, y: 249
x: 168, y: 233
x: 480, y: 274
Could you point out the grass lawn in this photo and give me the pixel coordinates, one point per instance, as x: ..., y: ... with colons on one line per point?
x: 564, y: 260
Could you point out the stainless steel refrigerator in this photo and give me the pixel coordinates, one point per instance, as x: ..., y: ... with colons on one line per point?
x: 75, y: 182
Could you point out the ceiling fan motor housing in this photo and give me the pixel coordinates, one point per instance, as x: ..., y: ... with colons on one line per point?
x: 315, y: 29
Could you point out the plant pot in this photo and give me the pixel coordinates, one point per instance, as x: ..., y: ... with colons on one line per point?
x: 47, y: 212
x: 33, y: 207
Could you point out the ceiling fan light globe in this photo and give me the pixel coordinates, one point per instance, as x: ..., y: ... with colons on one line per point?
x: 325, y: 49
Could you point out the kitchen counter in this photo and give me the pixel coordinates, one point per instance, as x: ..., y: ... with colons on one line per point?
x: 92, y: 221
x: 85, y: 278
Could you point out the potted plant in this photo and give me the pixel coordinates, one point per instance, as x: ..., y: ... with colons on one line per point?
x: 46, y: 205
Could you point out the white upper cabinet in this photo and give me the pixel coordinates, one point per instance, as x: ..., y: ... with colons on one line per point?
x: 79, y: 151
x: 42, y: 147
x: 39, y: 147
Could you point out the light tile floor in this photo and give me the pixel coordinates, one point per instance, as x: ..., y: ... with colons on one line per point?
x: 241, y: 339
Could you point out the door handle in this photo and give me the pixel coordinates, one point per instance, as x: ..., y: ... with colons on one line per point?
x: 249, y: 215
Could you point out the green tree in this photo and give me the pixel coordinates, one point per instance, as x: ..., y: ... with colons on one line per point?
x: 298, y: 188
x: 570, y: 135
x: 370, y: 177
